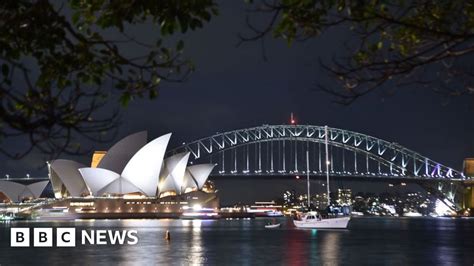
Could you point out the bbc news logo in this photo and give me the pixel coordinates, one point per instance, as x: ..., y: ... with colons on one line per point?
x: 66, y: 237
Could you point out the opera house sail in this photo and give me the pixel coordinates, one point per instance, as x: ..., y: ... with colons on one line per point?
x: 172, y: 174
x: 132, y: 179
x: 16, y: 192
x: 140, y: 173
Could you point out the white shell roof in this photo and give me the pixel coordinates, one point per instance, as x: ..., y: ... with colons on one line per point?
x: 102, y: 181
x: 15, y: 191
x: 97, y: 179
x: 175, y: 168
x: 143, y: 170
x: 37, y: 188
x: 56, y: 182
x: 68, y: 173
x: 121, y: 186
x: 12, y: 190
x: 166, y: 184
x: 121, y: 152
x: 200, y: 173
x: 188, y: 181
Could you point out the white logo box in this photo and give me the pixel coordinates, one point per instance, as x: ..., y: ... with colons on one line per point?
x: 42, y: 237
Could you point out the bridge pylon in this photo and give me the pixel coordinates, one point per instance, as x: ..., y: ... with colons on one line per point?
x: 468, y: 195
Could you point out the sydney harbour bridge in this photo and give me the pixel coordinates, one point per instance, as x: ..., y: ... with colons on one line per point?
x: 285, y: 150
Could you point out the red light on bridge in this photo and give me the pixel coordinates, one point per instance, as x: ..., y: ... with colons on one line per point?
x: 292, y: 119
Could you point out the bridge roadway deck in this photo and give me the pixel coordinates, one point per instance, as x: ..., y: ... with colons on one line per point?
x: 264, y: 176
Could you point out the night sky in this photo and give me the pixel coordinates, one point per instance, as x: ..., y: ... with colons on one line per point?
x: 233, y: 87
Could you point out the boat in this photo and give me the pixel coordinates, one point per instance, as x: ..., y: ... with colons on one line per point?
x: 266, y: 209
x: 272, y: 226
x: 314, y: 220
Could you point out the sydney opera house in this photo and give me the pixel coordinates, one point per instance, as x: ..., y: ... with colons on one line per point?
x: 132, y: 179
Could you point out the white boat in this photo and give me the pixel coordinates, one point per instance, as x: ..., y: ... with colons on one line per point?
x: 270, y: 226
x: 311, y: 220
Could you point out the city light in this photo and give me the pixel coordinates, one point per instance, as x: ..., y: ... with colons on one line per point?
x: 441, y: 208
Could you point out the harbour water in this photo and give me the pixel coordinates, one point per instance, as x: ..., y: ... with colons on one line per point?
x: 369, y: 241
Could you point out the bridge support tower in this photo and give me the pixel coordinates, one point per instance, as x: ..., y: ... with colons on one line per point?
x: 469, y: 196
x: 468, y: 193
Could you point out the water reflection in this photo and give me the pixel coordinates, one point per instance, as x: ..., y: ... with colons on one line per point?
x: 330, y: 247
x: 146, y: 250
x: 445, y: 254
x: 222, y: 242
x: 195, y: 253
x: 295, y: 248
x: 314, y: 257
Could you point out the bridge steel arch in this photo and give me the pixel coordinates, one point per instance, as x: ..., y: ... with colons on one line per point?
x: 405, y: 162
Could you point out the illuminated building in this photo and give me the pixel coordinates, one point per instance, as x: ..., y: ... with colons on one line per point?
x: 132, y: 179
x: 344, y: 197
x: 468, y: 167
x: 320, y: 201
x: 290, y: 198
